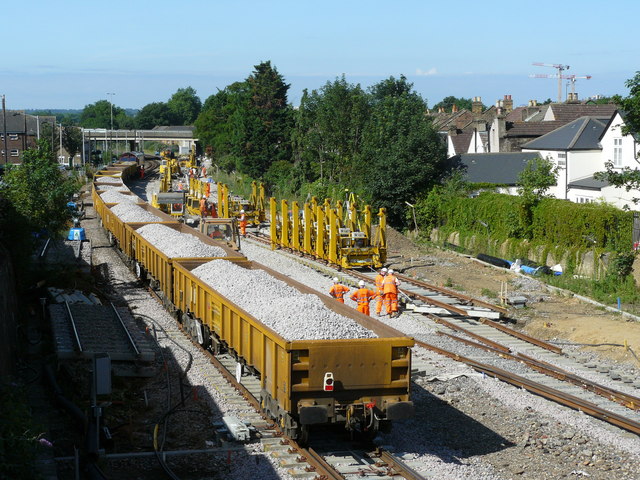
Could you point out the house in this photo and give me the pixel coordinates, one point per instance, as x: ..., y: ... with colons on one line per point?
x: 501, y: 169
x: 575, y: 149
x: 22, y: 132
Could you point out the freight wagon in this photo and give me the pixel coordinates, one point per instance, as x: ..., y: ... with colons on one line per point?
x: 360, y: 382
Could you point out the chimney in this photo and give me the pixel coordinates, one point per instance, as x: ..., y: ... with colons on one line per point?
x: 454, y: 109
x: 508, y: 104
x: 453, y: 131
x: 476, y: 105
x: 480, y: 125
x: 440, y: 109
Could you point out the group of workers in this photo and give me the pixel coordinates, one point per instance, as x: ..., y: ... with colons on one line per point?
x: 386, y: 292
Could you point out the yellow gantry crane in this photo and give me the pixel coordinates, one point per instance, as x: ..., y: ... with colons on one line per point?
x: 338, y: 234
x: 230, y: 206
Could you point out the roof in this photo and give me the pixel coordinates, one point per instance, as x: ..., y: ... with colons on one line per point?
x: 18, y: 120
x: 623, y: 115
x: 589, y: 183
x: 176, y: 128
x: 498, y: 168
x: 461, y: 141
x: 531, y: 129
x: 581, y: 134
x: 567, y: 112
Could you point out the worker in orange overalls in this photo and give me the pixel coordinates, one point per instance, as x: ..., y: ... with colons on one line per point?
x: 338, y: 290
x: 203, y: 207
x: 390, y: 291
x: 243, y: 223
x: 362, y: 297
x: 379, y: 290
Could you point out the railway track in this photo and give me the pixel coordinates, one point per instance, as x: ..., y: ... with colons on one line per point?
x: 496, y: 350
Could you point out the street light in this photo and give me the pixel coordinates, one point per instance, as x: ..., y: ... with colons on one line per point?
x: 4, y: 125
x: 111, y: 103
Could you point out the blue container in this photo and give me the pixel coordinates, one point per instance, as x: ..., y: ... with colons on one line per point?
x: 77, y: 234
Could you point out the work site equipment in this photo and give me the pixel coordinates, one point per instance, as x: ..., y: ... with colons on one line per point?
x: 230, y: 206
x: 340, y: 235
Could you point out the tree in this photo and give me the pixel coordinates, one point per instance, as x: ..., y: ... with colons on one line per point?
x: 627, y: 178
x: 402, y: 154
x: 184, y: 106
x: 71, y: 139
x: 219, y: 125
x: 98, y: 115
x: 266, y: 123
x: 533, y: 183
x: 153, y: 115
x: 329, y: 126
x: 39, y: 173
x: 448, y: 102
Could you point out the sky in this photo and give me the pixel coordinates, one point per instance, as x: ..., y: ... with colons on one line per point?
x: 68, y: 54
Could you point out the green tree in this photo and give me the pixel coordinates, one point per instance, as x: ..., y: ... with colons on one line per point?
x: 185, y: 106
x: 153, y: 115
x: 220, y: 127
x: 533, y: 183
x: 402, y: 154
x: 329, y: 127
x: 448, y: 102
x: 38, y: 190
x: 71, y: 139
x: 98, y: 115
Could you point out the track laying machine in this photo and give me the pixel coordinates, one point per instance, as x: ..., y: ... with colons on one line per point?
x: 340, y: 235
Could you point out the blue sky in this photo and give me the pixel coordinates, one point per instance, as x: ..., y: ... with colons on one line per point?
x: 68, y: 54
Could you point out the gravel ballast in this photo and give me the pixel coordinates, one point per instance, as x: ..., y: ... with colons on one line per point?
x: 178, y: 245
x: 292, y: 314
x: 112, y: 196
x: 115, y: 179
x: 128, y: 212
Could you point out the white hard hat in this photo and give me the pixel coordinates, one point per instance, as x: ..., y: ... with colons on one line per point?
x: 241, y: 211
x: 361, y: 283
x: 390, y: 270
x: 335, y: 279
x: 383, y: 269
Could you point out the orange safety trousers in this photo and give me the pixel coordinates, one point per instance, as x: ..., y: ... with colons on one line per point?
x: 363, y: 296
x: 379, y: 291
x: 390, y: 289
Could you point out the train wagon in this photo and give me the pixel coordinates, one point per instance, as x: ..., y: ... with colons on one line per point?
x: 100, y: 206
x: 362, y: 383
x: 152, y: 263
x: 115, y: 221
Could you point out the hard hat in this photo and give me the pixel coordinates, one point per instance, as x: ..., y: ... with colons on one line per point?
x: 241, y: 211
x: 383, y: 269
x: 390, y: 271
x: 361, y: 283
x: 335, y: 279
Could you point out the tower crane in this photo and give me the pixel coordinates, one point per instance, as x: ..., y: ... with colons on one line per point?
x: 560, y: 68
x: 571, y: 78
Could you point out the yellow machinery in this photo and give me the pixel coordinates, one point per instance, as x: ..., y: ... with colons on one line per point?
x: 166, y: 200
x: 189, y: 162
x: 197, y: 190
x: 229, y: 206
x: 338, y: 235
x: 168, y: 163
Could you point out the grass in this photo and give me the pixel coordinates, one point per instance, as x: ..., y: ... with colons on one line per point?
x: 605, y: 291
x: 485, y: 292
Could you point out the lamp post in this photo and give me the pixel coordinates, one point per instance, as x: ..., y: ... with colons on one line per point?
x: 4, y: 133
x: 111, y: 104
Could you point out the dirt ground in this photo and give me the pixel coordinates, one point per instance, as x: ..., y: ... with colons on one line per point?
x: 548, y: 315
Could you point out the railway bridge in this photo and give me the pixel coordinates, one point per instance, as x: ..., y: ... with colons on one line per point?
x: 133, y: 140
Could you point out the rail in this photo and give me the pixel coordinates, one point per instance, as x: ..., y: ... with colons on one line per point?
x: 74, y: 327
x: 126, y: 330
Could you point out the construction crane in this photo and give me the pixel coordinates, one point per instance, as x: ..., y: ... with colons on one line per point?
x: 560, y: 68
x: 572, y: 79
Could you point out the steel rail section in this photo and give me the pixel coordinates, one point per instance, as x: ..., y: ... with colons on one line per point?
x: 126, y: 330
x: 542, y: 390
x: 73, y: 326
x: 521, y: 336
x: 397, y: 465
x: 451, y: 293
x: 480, y: 338
x: 315, y: 459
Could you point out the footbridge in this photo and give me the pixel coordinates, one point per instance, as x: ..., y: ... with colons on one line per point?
x: 133, y: 140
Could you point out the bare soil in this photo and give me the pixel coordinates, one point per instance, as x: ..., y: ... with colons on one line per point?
x: 549, y: 314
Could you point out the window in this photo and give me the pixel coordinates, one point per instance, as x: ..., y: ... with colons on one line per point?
x: 15, y: 153
x: 562, y: 159
x: 584, y: 200
x: 13, y: 136
x: 617, y: 152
